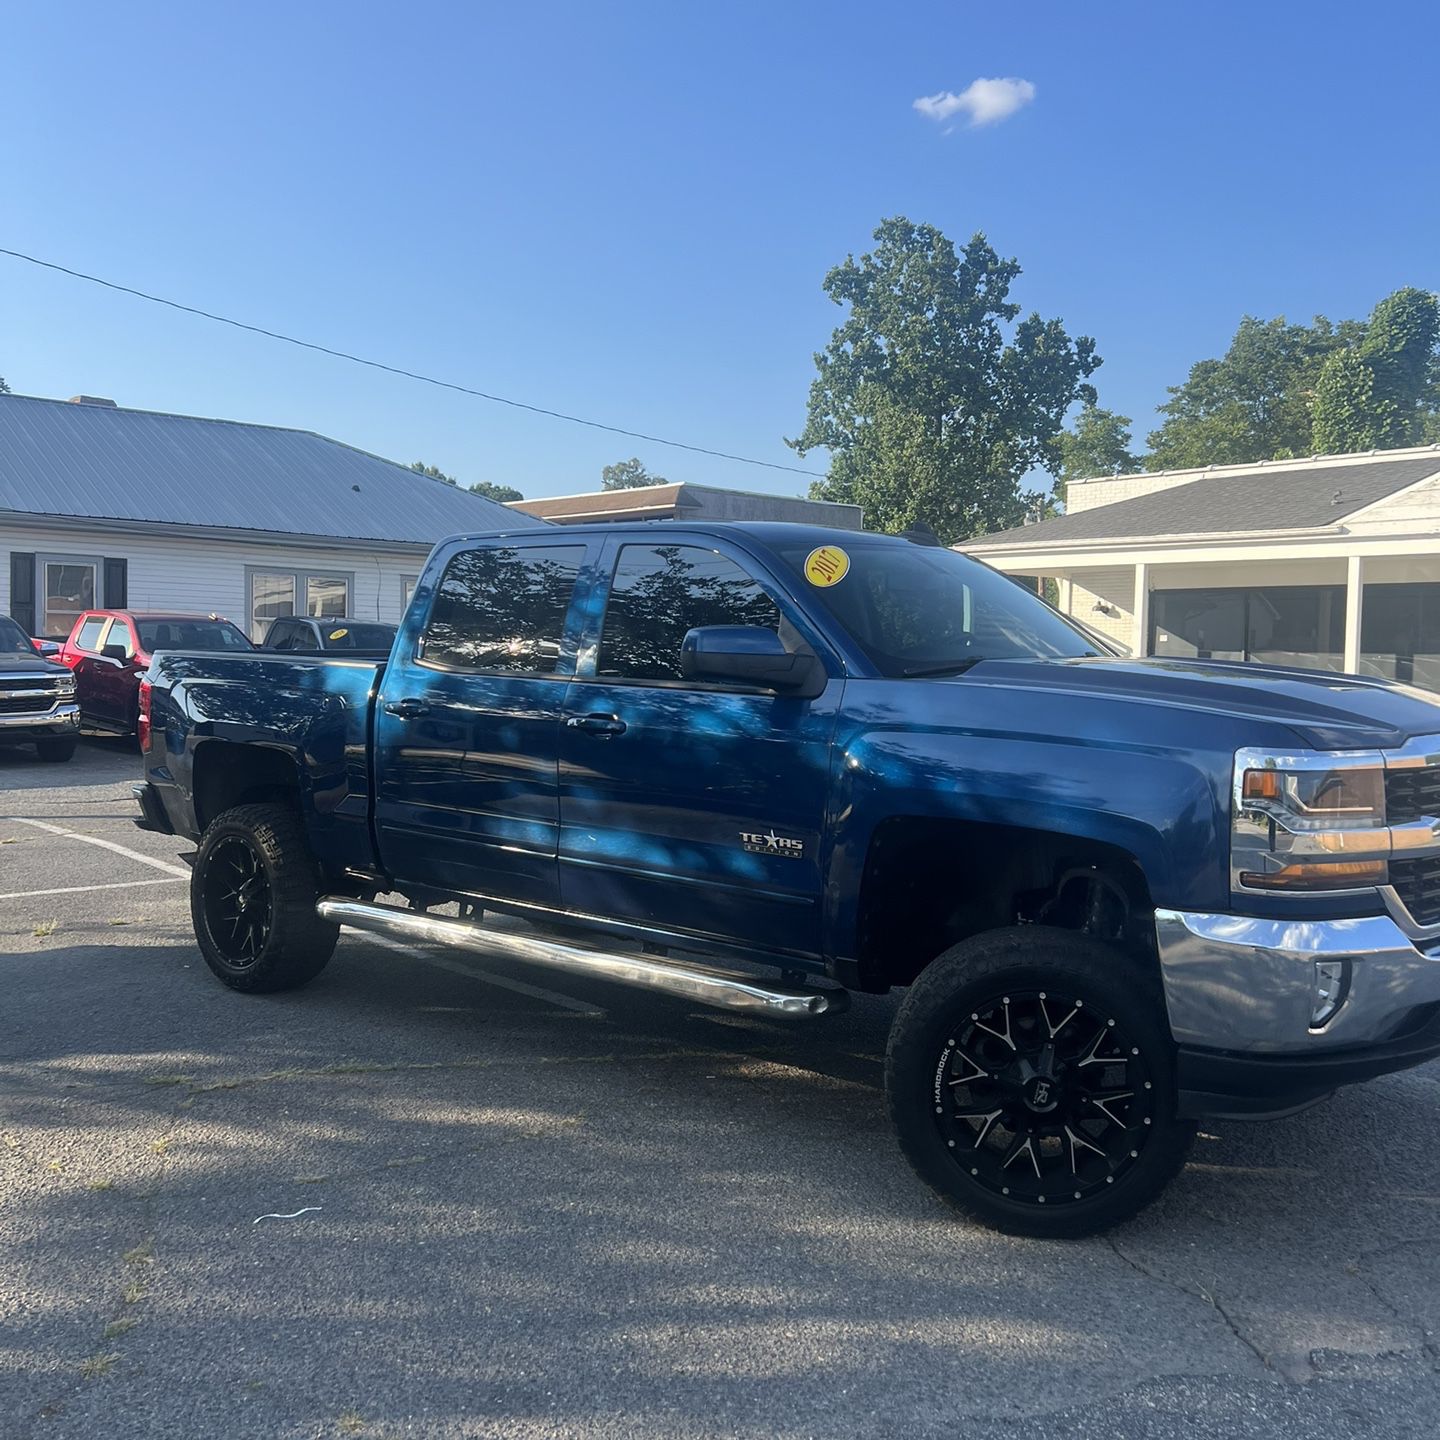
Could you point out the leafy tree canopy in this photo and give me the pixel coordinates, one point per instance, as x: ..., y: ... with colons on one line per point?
x: 488, y: 488
x: 1099, y: 444
x: 4, y: 388
x: 933, y: 398
x: 628, y: 475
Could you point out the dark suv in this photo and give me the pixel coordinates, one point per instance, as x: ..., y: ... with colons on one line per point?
x: 37, y: 697
x: 329, y: 632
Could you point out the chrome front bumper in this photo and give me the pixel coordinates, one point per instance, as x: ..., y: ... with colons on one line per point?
x: 1240, y: 984
x: 66, y: 716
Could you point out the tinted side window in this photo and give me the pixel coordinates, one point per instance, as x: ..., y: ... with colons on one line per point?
x: 89, y: 636
x: 503, y: 609
x: 661, y: 591
x: 303, y: 638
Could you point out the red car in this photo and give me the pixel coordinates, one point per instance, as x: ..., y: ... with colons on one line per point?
x: 109, y: 650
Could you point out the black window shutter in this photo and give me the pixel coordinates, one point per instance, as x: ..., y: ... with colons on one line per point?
x: 117, y: 580
x: 22, y: 590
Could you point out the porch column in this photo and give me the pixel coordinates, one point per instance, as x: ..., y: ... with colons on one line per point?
x: 1141, y: 609
x: 1354, y: 602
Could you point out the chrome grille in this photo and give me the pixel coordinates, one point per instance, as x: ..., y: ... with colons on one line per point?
x: 29, y: 694
x: 1412, y: 793
x: 1417, y: 883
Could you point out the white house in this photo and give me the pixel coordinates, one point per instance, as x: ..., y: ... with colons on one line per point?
x: 101, y: 506
x: 1332, y: 562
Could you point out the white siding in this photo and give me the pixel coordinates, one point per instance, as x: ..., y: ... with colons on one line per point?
x: 1413, y: 511
x: 169, y: 572
x: 1114, y: 588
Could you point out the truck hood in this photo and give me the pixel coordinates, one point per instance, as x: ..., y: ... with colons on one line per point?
x: 1325, y: 711
x: 13, y: 662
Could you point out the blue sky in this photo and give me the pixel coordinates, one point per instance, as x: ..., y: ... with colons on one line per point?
x: 625, y: 210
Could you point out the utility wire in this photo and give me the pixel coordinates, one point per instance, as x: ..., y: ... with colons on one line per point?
x: 408, y: 374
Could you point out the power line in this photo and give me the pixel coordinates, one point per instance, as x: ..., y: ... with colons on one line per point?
x: 408, y: 374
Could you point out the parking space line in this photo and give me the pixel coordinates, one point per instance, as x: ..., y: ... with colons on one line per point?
x: 124, y: 850
x: 86, y: 889
x: 534, y: 992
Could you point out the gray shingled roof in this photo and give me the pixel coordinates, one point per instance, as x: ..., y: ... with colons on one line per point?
x: 97, y: 463
x: 1256, y: 499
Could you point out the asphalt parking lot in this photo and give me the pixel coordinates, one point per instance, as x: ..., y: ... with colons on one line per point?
x: 541, y: 1208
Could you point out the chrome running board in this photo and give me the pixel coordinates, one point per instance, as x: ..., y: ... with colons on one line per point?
x: 724, y: 989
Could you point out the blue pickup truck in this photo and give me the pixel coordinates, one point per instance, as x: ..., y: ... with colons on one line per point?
x: 760, y: 766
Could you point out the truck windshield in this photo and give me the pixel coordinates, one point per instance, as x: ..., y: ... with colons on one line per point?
x: 351, y: 636
x: 183, y: 634
x: 13, y: 640
x: 923, y: 610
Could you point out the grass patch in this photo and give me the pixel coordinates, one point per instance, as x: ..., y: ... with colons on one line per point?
x: 134, y: 1293
x: 119, y: 922
x: 45, y: 929
x: 98, y: 1365
x: 100, y: 1185
x: 164, y: 1079
x: 141, y: 1254
x: 119, y: 1327
x: 351, y: 1423
x: 161, y: 1146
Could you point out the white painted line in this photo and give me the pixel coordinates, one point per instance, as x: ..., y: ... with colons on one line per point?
x: 86, y: 889
x: 124, y: 850
x: 534, y: 992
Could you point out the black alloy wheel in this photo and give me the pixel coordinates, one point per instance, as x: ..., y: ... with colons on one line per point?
x: 1031, y: 1078
x: 239, y: 904
x: 252, y: 900
x: 1043, y: 1099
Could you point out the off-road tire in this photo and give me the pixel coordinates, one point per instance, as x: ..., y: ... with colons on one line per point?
x: 56, y: 752
x: 291, y: 945
x: 926, y: 1049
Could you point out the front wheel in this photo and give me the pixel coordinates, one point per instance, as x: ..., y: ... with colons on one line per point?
x: 1031, y: 1079
x: 252, y: 901
x: 56, y: 751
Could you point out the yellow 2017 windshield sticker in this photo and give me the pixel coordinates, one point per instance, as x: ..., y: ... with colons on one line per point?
x: 338, y: 634
x: 827, y: 565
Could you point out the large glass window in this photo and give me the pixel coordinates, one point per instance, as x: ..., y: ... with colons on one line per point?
x: 1300, y: 625
x: 661, y: 591
x: 1400, y: 634
x: 69, y: 592
x: 183, y: 634
x: 503, y: 609
x: 327, y: 595
x: 13, y: 640
x: 272, y: 595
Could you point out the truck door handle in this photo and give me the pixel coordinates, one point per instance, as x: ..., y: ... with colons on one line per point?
x: 407, y: 709
x: 596, y: 724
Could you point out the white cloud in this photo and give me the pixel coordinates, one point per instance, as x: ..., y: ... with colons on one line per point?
x: 986, y: 102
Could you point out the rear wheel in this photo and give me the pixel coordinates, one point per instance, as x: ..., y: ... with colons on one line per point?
x: 56, y: 751
x: 252, y: 901
x: 1031, y: 1079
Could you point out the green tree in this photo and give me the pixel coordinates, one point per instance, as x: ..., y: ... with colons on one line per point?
x: 1382, y: 393
x: 490, y: 489
x: 628, y: 475
x: 1254, y: 403
x: 933, y: 401
x: 4, y: 388
x: 1098, y: 445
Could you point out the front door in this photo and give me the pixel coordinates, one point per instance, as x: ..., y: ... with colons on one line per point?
x: 114, y: 688
x: 684, y: 805
x: 467, y: 725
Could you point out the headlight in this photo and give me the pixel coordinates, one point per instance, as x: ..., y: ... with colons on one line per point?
x: 1308, y: 822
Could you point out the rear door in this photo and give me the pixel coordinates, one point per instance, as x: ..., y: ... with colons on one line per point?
x: 468, y: 720
x: 686, y: 805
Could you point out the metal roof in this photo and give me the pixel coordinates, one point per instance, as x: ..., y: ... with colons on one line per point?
x: 94, y: 462
x: 1237, y: 500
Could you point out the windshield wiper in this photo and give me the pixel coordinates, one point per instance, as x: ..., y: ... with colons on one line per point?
x: 955, y: 667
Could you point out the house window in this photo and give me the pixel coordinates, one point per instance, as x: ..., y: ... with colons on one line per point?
x: 1301, y: 625
x: 271, y: 597
x: 276, y: 593
x: 1400, y: 634
x: 68, y: 585
x: 327, y: 595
